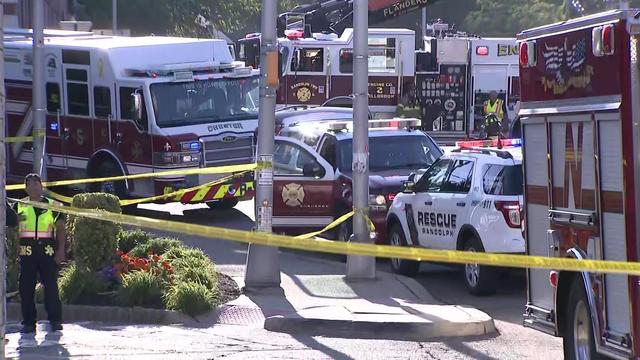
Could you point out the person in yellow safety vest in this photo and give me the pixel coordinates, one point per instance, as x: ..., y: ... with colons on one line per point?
x: 493, y: 115
x: 42, y: 249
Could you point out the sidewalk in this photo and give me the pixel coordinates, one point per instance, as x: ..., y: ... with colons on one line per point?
x: 316, y: 299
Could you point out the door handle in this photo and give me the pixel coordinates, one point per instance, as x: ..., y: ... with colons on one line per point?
x: 428, y: 203
x: 461, y: 204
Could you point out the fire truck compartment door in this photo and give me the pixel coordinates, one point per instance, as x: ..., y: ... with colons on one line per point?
x: 536, y: 208
x: 614, y: 244
x: 303, y: 186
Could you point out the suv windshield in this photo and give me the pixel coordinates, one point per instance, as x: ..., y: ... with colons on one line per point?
x: 205, y: 101
x: 502, y: 179
x: 392, y: 152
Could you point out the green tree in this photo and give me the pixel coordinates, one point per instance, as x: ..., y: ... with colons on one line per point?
x: 508, y: 17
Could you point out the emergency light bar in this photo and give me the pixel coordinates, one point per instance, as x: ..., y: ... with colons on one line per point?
x: 488, y: 143
x: 179, y: 71
x: 397, y: 123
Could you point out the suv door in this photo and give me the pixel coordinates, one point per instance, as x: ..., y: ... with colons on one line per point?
x: 424, y: 205
x: 302, y: 187
x: 454, y: 202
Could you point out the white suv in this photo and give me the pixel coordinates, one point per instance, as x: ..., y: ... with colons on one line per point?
x: 470, y: 199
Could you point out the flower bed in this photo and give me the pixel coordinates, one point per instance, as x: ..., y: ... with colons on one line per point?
x: 111, y: 266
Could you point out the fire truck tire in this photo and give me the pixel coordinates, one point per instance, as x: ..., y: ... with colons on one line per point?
x: 222, y: 204
x: 578, y: 341
x: 479, y: 279
x: 109, y: 169
x: 401, y: 266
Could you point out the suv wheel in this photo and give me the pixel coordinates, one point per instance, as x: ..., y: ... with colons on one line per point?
x: 479, y: 279
x: 402, y: 266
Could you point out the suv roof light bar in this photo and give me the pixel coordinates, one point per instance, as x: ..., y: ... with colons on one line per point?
x: 500, y: 153
x: 395, y: 123
x: 499, y: 143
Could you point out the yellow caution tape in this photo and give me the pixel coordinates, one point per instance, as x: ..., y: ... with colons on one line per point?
x: 181, y: 172
x: 16, y: 139
x: 335, y: 223
x: 352, y: 248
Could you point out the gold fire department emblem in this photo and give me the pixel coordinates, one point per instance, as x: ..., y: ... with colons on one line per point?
x: 293, y: 194
x: 303, y: 94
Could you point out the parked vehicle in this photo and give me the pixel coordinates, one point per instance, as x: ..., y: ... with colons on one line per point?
x: 470, y: 199
x: 580, y: 89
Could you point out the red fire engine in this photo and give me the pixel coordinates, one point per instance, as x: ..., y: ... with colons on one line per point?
x: 580, y: 85
x: 196, y: 108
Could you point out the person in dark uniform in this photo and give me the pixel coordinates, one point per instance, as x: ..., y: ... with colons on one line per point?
x: 42, y: 249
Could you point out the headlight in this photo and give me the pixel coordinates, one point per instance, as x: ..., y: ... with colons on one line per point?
x: 377, y: 200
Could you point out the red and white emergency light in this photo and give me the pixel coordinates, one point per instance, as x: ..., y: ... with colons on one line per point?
x: 602, y: 40
x: 488, y: 143
x: 528, y: 55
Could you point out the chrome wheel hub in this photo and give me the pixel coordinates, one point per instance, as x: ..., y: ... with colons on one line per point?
x: 395, y: 241
x: 581, y: 332
x: 472, y: 272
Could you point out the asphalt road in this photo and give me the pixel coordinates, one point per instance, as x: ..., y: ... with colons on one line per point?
x: 443, y: 282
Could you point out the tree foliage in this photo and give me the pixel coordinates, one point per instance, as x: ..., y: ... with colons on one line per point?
x: 239, y: 17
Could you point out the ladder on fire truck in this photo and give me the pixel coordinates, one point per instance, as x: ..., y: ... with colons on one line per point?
x: 334, y: 16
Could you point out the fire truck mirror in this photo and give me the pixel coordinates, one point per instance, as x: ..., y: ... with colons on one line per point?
x: 136, y: 106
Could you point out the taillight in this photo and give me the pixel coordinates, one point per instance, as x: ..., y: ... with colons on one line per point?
x: 511, y: 212
x: 553, y: 278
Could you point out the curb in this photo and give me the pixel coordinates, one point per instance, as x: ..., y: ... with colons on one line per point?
x: 112, y: 314
x: 371, y: 329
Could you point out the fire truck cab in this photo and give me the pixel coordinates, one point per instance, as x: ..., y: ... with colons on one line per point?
x: 131, y: 105
x: 317, y: 69
x: 580, y: 85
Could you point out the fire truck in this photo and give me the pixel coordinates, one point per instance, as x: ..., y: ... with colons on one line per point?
x: 455, y: 73
x: 580, y: 84
x: 132, y: 105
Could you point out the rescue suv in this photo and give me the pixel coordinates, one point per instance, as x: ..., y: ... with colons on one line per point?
x: 313, y: 186
x: 132, y: 105
x: 580, y: 82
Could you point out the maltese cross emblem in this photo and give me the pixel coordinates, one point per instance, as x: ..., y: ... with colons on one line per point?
x: 48, y: 250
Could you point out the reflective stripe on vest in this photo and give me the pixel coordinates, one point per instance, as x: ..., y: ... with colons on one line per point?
x: 27, y: 225
x: 495, y: 108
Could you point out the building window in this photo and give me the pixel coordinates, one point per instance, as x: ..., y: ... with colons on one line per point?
x: 102, y: 101
x: 382, y: 56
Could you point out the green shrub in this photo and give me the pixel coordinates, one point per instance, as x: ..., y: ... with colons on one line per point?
x: 190, y: 298
x: 13, y: 266
x: 93, y: 241
x: 79, y: 286
x: 194, y: 270
x: 141, y: 288
x: 182, y: 252
x: 157, y: 246
x: 129, y: 239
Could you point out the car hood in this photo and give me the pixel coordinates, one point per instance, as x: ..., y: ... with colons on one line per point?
x: 388, y: 181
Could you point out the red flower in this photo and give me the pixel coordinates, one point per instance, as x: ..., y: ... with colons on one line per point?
x: 156, y: 258
x: 119, y: 252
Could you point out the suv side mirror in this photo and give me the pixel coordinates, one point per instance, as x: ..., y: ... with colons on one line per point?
x: 136, y: 106
x: 312, y: 170
x: 412, y: 177
x: 408, y: 186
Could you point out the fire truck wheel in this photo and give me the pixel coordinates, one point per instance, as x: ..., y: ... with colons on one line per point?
x: 222, y: 204
x: 479, y: 279
x: 578, y: 341
x: 109, y: 169
x: 401, y: 266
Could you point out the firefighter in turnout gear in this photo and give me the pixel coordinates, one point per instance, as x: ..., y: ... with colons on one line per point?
x: 493, y: 115
x: 42, y: 249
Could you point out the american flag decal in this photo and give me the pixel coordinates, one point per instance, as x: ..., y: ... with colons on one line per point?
x: 565, y: 60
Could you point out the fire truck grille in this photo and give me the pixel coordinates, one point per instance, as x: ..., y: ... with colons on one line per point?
x: 228, y: 150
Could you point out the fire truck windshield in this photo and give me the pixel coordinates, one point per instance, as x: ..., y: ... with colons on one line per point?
x: 205, y: 101
x: 392, y: 152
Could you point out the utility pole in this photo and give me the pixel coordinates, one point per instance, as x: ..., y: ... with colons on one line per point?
x: 424, y: 24
x: 263, y: 267
x: 360, y: 267
x: 38, y: 105
x: 3, y: 197
x: 114, y: 17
